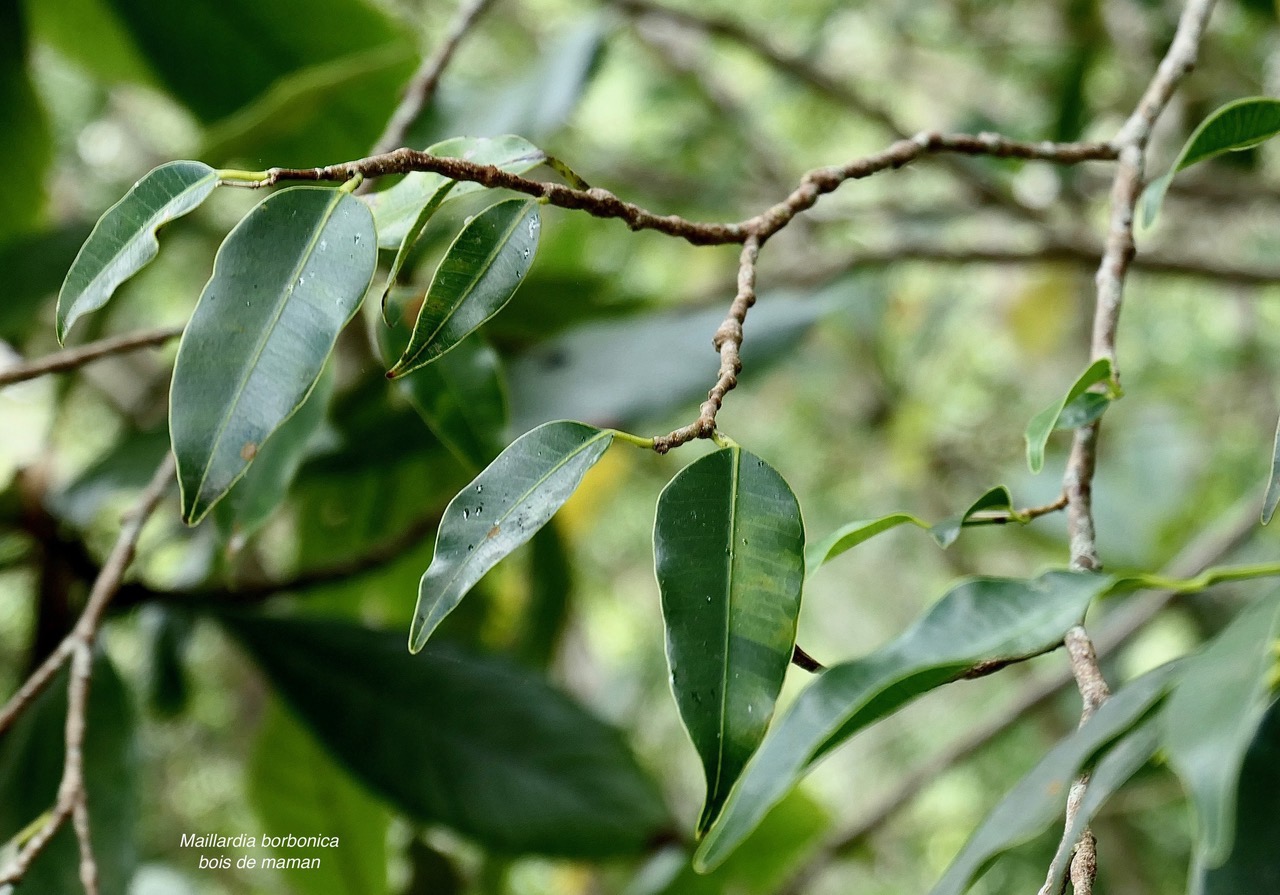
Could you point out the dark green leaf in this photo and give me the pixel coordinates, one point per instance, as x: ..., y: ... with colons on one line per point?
x: 981, y: 620
x: 1272, y: 498
x: 31, y: 754
x: 260, y: 490
x: 728, y: 546
x: 475, y: 279
x: 1254, y: 863
x: 397, y: 211
x: 124, y: 239
x: 1037, y: 800
x: 501, y: 509
x: 946, y: 531
x: 471, y: 743
x: 1214, y: 714
x: 460, y: 396
x: 167, y: 635
x: 546, y: 613
x: 34, y: 267
x: 1044, y: 422
x: 296, y: 790
x: 285, y: 282
x: 1238, y: 125
x: 26, y: 149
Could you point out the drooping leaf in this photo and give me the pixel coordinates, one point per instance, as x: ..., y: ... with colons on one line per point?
x: 980, y: 621
x: 547, y: 611
x: 460, y: 396
x: 728, y: 546
x: 1212, y: 718
x: 1272, y: 498
x: 285, y: 282
x: 1254, y: 864
x: 1044, y: 422
x: 946, y: 531
x: 1241, y: 124
x: 26, y: 150
x: 1037, y: 800
x: 124, y: 239
x: 34, y: 266
x: 851, y: 534
x: 296, y: 790
x: 31, y: 754
x: 477, y: 276
x: 166, y: 632
x: 501, y: 509
x: 260, y: 490
x: 475, y: 744
x: 397, y: 210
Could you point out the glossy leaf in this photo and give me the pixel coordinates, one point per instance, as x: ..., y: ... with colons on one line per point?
x: 1044, y: 422
x: 285, y: 282
x: 501, y: 509
x: 728, y: 546
x: 1241, y: 124
x: 477, y: 276
x: 1212, y: 718
x: 460, y: 396
x: 31, y: 754
x: 296, y: 790
x: 1254, y: 863
x: 397, y: 211
x: 124, y: 239
x: 1272, y: 498
x: 475, y: 744
x: 1038, y: 799
x: 264, y: 485
x: 981, y: 620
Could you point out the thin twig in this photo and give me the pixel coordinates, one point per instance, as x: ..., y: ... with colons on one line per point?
x: 1211, y: 547
x: 78, y: 647
x: 421, y: 88
x: 73, y: 358
x: 1077, y: 482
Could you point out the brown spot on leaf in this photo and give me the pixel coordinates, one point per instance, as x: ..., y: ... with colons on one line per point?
x: 249, y: 451
x: 493, y: 532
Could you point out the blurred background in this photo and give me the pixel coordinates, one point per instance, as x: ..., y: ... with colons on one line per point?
x: 908, y: 327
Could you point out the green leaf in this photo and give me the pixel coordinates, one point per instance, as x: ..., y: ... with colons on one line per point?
x: 476, y: 278
x: 475, y: 744
x: 296, y: 790
x: 460, y: 396
x: 501, y: 509
x: 1272, y: 498
x: 31, y: 754
x: 1038, y: 799
x: 728, y: 546
x: 264, y: 485
x: 850, y: 535
x: 1214, y: 714
x: 980, y: 621
x: 166, y: 633
x: 1044, y: 422
x: 124, y: 239
x: 285, y: 282
x: 1254, y: 864
x: 547, y: 610
x: 123, y: 469
x: 1241, y: 124
x: 946, y: 531
x: 27, y: 147
x: 397, y: 211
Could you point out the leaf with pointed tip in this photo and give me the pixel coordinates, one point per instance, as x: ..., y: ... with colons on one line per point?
x: 397, y: 210
x: 285, y: 282
x: 1038, y: 798
x: 1272, y: 498
x: 728, y: 546
x: 476, y: 278
x: 501, y: 509
x: 477, y: 744
x: 978, y: 622
x: 946, y: 531
x: 1044, y: 422
x: 1213, y: 715
x: 1238, y: 125
x: 124, y: 239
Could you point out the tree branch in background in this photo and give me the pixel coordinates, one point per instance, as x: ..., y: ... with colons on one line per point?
x: 74, y: 358
x: 1131, y: 142
x: 421, y: 88
x: 77, y: 647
